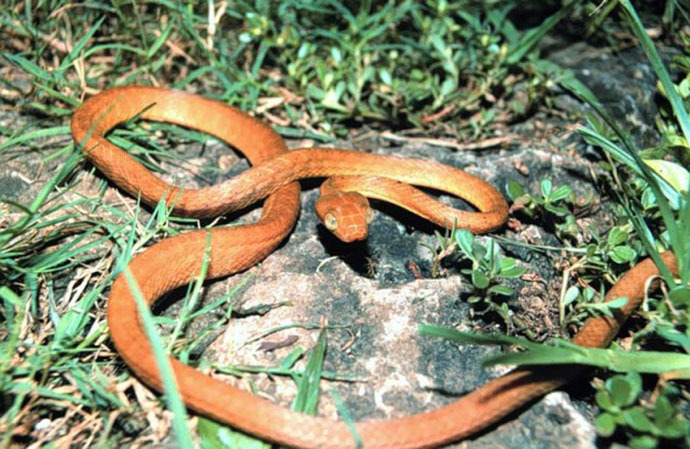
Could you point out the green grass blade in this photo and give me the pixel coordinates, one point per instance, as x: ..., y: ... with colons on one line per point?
x: 652, y: 362
x: 679, y: 110
x: 193, y: 298
x: 158, y: 43
x: 74, y: 54
x: 347, y: 418
x: 531, y: 38
x: 568, y: 353
x: 172, y: 394
x: 30, y: 67
x: 307, y: 398
x: 38, y: 134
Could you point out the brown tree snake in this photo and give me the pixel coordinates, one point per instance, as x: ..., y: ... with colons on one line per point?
x: 176, y: 261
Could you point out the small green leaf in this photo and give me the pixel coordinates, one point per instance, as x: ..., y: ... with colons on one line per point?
x: 501, y: 290
x: 606, y: 424
x: 507, y: 263
x: 505, y: 312
x: 479, y: 251
x: 336, y: 54
x: 546, y: 187
x: 636, y: 418
x: 648, y: 199
x: 603, y: 399
x: 479, y: 279
x: 571, y: 295
x: 622, y: 254
x: 464, y: 239
x: 315, y: 92
x: 677, y: 428
x: 663, y: 411
x: 514, y: 272
x: 643, y: 442
x: 616, y: 303
x: 672, y: 335
x: 514, y: 190
x: 447, y: 87
x: 621, y: 391
x: 684, y: 88
x: 510, y: 269
x: 385, y: 76
x: 559, y: 211
x: 634, y: 379
x: 616, y: 236
x: 591, y: 250
x: 560, y: 193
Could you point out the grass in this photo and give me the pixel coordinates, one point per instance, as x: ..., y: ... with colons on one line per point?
x: 458, y: 71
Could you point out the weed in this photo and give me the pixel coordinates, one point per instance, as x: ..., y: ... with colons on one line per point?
x: 550, y: 208
x: 489, y: 268
x: 646, y: 427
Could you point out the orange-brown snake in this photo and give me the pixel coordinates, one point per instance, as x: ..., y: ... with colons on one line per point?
x: 176, y: 261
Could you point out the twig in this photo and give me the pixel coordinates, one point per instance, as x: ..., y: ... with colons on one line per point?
x: 480, y: 145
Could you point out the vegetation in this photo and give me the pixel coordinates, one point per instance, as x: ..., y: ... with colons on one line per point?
x: 320, y: 69
x: 658, y: 192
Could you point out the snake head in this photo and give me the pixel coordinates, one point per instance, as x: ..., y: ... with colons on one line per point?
x: 346, y: 214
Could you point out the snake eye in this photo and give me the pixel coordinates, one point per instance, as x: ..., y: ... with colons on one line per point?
x: 370, y: 215
x: 330, y: 222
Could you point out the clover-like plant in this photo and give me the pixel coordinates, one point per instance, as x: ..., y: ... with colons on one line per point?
x: 488, y: 269
x: 646, y: 427
x: 549, y: 207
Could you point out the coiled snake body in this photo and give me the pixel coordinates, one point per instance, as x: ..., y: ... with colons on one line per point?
x: 176, y: 261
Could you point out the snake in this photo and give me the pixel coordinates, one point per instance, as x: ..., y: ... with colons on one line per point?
x: 351, y: 178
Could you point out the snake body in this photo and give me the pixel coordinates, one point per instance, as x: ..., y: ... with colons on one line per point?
x: 176, y: 261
